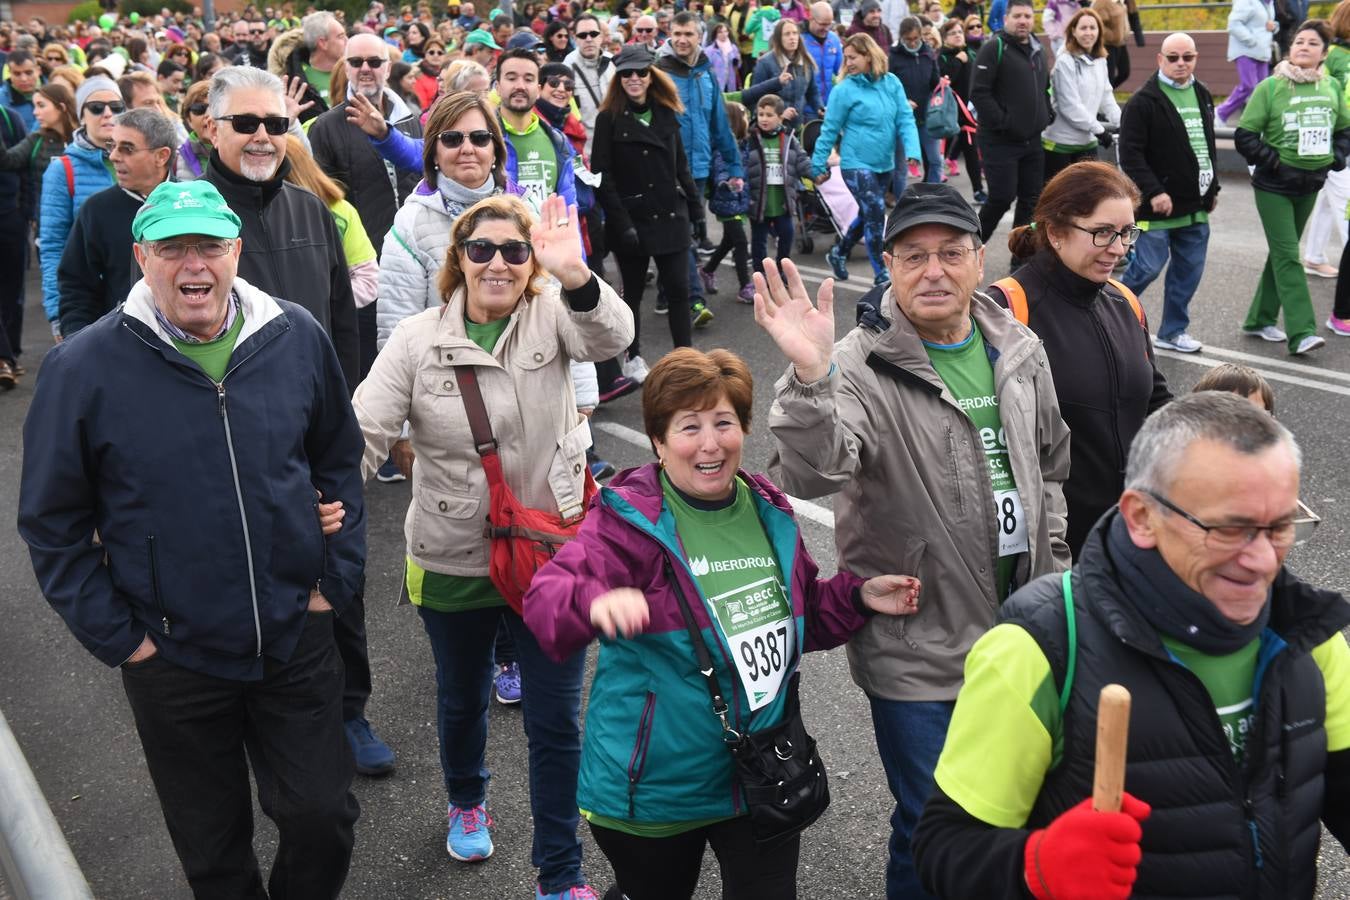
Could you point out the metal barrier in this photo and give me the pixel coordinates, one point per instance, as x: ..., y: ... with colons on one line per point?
x: 35, y: 859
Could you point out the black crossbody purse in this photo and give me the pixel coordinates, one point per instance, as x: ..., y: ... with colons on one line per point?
x: 779, y: 771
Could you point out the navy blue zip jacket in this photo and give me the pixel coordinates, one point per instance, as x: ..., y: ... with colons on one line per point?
x: 202, y: 494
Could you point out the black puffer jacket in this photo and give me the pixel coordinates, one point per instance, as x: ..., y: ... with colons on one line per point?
x: 646, y: 183
x: 1198, y: 842
x: 1275, y: 177
x: 918, y: 72
x: 1105, y: 376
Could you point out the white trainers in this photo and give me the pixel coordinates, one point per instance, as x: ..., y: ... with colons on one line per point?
x: 636, y: 368
x: 1309, y: 344
x: 1182, y: 343
x: 1267, y: 333
x: 1320, y: 270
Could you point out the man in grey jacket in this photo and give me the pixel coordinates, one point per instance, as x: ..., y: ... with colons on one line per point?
x: 936, y: 421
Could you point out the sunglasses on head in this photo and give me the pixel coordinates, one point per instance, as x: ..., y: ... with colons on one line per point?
x: 374, y: 62
x: 586, y: 35
x: 97, y: 107
x: 197, y: 109
x: 558, y: 81
x: 480, y: 251
x: 635, y: 73
x: 479, y: 137
x: 247, y: 123
x: 1173, y: 57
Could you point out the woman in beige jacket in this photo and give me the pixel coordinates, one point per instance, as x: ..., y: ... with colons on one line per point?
x: 517, y: 330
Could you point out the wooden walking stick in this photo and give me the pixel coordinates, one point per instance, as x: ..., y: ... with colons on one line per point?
x: 1113, y: 732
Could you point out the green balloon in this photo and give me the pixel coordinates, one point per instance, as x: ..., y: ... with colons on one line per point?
x: 135, y: 17
x: 107, y: 21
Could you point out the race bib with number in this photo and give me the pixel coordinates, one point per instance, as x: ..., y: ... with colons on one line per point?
x: 1314, y: 140
x: 1206, y: 177
x: 773, y: 173
x: 755, y: 620
x: 1011, y: 521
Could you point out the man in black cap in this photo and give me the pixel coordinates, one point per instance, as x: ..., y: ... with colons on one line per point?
x: 936, y: 422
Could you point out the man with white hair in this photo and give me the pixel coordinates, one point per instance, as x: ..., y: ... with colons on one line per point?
x: 309, y: 53
x: 645, y: 32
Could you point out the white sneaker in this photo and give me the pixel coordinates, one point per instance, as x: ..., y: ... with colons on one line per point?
x: 636, y: 368
x: 1320, y: 270
x: 1309, y: 344
x: 1267, y: 333
x: 1182, y: 343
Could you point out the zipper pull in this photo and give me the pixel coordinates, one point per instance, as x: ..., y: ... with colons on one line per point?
x: 1256, y: 836
x: 220, y: 396
x: 165, y: 620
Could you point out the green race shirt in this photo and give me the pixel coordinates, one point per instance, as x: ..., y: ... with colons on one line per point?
x: 966, y: 370
x: 1183, y: 99
x: 1229, y: 680
x: 213, y: 356
x: 536, y: 163
x: 775, y: 195
x: 318, y: 80
x: 458, y: 593
x: 1298, y: 120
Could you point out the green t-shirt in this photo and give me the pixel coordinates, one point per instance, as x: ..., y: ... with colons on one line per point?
x: 966, y: 370
x: 775, y: 195
x: 1298, y: 120
x: 760, y: 27
x: 1229, y: 680
x: 318, y: 80
x: 1183, y: 99
x: 213, y: 356
x: 458, y: 593
x: 536, y: 163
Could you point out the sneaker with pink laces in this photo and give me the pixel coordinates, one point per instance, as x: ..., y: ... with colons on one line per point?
x: 468, y: 839
x: 576, y: 892
x: 1339, y: 326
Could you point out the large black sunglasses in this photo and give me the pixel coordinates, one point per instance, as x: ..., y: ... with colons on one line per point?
x: 374, y: 62
x: 480, y: 251
x: 247, y: 123
x: 479, y: 137
x: 98, y: 107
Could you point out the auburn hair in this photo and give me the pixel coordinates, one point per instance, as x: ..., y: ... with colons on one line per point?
x: 686, y: 378
x: 1072, y: 194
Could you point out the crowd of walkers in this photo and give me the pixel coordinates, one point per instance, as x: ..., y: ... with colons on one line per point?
x: 283, y: 256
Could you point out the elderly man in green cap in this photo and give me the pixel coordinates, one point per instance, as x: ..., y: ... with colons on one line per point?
x: 189, y: 430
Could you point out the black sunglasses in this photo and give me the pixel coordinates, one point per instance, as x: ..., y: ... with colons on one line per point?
x: 97, y: 107
x: 1173, y: 57
x: 247, y: 123
x: 558, y: 81
x: 197, y: 109
x: 257, y: 31
x: 584, y: 35
x: 480, y: 251
x: 643, y: 30
x: 374, y: 62
x: 479, y: 137
x: 635, y: 73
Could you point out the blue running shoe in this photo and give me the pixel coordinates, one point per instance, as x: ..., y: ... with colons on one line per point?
x: 373, y: 756
x: 389, y: 473
x: 576, y: 892
x: 507, y: 683
x: 468, y: 839
x: 837, y: 263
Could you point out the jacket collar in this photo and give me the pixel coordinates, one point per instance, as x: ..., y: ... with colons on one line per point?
x: 257, y: 307
x: 259, y: 193
x: 1063, y: 282
x: 640, y: 488
x: 452, y: 338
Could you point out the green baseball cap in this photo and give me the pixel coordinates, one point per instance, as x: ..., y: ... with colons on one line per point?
x: 184, y: 207
x: 481, y: 36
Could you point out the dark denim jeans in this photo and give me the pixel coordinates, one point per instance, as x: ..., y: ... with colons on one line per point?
x: 200, y: 733
x: 909, y: 739
x: 462, y: 644
x: 1187, y: 247
x: 782, y: 229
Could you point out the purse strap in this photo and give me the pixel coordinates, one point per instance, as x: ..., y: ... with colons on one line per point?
x: 730, y: 736
x: 479, y: 423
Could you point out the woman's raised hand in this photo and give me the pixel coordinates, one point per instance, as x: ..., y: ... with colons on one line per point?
x: 805, y: 333
x: 621, y: 611
x: 295, y: 97
x: 556, y: 239
x: 894, y: 595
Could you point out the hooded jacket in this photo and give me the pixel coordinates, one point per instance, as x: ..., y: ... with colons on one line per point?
x: 653, y: 750
x: 1247, y: 32
x: 1010, y: 90
x: 870, y: 118
x: 286, y: 59
x: 703, y: 124
x: 1081, y: 93
x: 918, y: 72
x: 202, y: 494
x: 59, y: 208
x: 796, y: 166
x: 883, y: 431
x: 829, y: 57
x: 1155, y: 151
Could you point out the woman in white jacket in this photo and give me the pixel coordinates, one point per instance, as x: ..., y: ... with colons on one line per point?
x: 1251, y: 30
x: 1081, y: 93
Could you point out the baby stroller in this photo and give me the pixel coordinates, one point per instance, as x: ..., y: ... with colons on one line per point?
x: 826, y: 208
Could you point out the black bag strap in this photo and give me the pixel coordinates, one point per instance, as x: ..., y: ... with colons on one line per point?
x: 587, y: 85
x: 479, y: 424
x: 705, y: 664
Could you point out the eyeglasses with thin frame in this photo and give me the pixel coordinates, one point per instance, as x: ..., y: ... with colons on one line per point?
x: 481, y: 251
x: 1174, y: 57
x: 635, y: 73
x: 558, y: 81
x: 1105, y: 236
x: 373, y: 62
x: 128, y: 149
x: 207, y: 248
x: 98, y: 107
x: 1282, y: 535
x: 951, y: 257
x: 452, y: 140
x: 247, y: 123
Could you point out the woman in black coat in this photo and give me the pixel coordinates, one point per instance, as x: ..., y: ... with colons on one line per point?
x: 646, y: 189
x: 957, y: 62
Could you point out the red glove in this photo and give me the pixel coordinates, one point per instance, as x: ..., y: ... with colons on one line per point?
x: 1085, y: 854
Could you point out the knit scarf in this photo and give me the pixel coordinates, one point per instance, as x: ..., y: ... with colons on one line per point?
x: 458, y: 198
x: 1155, y: 591
x: 553, y: 115
x: 1298, y: 74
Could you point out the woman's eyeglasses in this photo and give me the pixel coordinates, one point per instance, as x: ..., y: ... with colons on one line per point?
x: 1106, y: 235
x: 247, y: 123
x: 451, y: 140
x: 480, y: 251
x: 197, y: 109
x: 98, y: 107
x: 558, y: 81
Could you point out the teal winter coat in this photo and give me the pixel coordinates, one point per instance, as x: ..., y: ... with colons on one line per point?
x: 870, y: 118
x: 60, y: 205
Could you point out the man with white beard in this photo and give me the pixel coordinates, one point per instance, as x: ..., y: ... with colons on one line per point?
x: 291, y: 245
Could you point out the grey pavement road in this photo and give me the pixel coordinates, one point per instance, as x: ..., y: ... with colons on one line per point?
x: 71, y: 717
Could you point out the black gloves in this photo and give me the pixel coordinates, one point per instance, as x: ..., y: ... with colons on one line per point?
x: 629, y: 241
x: 699, y: 227
x: 1105, y: 139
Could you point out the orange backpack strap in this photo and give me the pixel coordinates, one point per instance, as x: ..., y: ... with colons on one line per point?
x: 1133, y: 300
x: 1017, y: 297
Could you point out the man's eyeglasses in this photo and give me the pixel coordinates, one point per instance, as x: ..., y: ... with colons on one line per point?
x: 558, y: 81
x: 1174, y: 57
x: 1281, y: 534
x: 635, y: 73
x: 479, y: 137
x: 98, y: 107
x: 128, y: 149
x: 950, y: 257
x: 587, y: 35
x: 210, y: 248
x: 1106, y: 235
x: 480, y: 251
x: 643, y: 30
x: 247, y: 123
x: 374, y: 62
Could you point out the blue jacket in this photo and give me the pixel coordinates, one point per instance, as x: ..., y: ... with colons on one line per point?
x: 203, y: 495
x: 871, y: 118
x: 801, y: 93
x: 704, y: 128
x: 59, y: 209
x: 829, y: 57
x: 997, y: 10
x: 20, y: 104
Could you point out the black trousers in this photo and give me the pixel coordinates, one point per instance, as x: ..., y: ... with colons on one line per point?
x: 961, y: 145
x: 1118, y: 65
x: 668, y: 868
x: 672, y: 273
x: 365, y: 337
x: 349, y: 631
x: 13, y: 262
x: 1012, y: 171
x: 200, y: 735
x: 1057, y: 162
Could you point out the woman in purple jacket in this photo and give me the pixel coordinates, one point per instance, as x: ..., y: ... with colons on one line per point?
x: 656, y: 782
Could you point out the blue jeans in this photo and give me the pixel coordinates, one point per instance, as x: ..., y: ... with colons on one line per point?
x: 932, y: 157
x: 781, y: 228
x: 869, y: 190
x: 1188, y: 246
x: 461, y: 643
x: 909, y: 740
